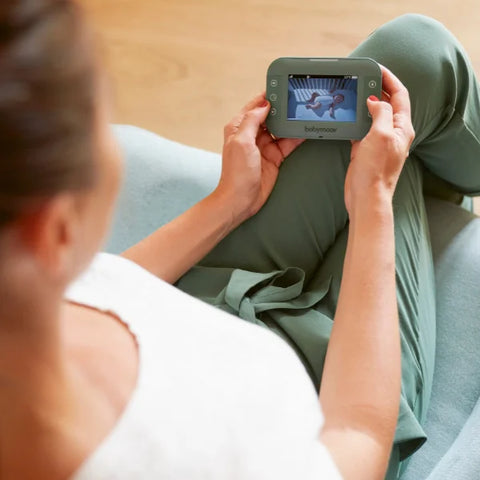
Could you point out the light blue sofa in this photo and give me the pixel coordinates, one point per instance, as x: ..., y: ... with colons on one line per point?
x: 164, y: 178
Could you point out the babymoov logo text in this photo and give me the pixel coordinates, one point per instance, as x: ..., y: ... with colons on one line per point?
x: 320, y: 130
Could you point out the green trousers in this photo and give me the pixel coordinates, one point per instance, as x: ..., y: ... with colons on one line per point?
x: 282, y: 268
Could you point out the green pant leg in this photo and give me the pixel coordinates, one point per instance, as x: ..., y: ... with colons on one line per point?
x: 444, y: 94
x: 446, y: 116
x: 301, y: 218
x: 295, y: 228
x: 416, y: 304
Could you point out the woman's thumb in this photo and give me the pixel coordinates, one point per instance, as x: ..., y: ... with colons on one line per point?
x: 381, y: 112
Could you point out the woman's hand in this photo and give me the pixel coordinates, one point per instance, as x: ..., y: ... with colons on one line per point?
x: 378, y: 159
x: 251, y: 160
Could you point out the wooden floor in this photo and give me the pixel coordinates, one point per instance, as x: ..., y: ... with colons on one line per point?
x: 183, y: 68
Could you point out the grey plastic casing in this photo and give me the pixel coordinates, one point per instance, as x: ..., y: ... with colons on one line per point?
x: 369, y: 83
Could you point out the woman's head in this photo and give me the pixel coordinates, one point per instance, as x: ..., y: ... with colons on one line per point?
x: 58, y: 164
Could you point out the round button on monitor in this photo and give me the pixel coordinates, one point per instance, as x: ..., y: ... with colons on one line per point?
x: 273, y: 111
x: 273, y: 97
x: 372, y: 83
x: 274, y: 82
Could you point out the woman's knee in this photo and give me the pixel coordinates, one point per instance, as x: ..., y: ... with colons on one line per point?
x: 413, y: 46
x: 418, y: 26
x: 428, y: 60
x: 415, y: 33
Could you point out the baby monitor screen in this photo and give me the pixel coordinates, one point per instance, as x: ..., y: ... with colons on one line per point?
x: 322, y: 98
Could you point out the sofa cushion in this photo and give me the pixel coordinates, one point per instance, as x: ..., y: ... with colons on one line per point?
x: 453, y: 422
x: 162, y: 179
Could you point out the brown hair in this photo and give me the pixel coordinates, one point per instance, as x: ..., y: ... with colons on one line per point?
x: 47, y: 102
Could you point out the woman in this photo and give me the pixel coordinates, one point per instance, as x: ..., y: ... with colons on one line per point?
x: 131, y: 378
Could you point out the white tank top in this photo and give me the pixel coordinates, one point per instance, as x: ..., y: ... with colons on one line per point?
x: 216, y: 397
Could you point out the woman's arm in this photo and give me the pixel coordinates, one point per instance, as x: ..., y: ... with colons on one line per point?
x: 174, y: 248
x: 360, y: 388
x: 250, y: 163
x: 361, y: 381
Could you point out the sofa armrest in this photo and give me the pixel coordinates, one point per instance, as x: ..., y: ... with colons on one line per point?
x: 162, y: 180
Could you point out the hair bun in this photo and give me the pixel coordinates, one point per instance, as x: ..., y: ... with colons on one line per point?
x: 16, y: 13
x: 48, y: 95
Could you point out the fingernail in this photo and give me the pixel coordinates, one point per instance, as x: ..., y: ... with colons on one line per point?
x: 264, y: 103
x: 373, y: 98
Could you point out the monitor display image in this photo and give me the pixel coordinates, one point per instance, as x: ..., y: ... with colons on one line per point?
x: 322, y: 98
